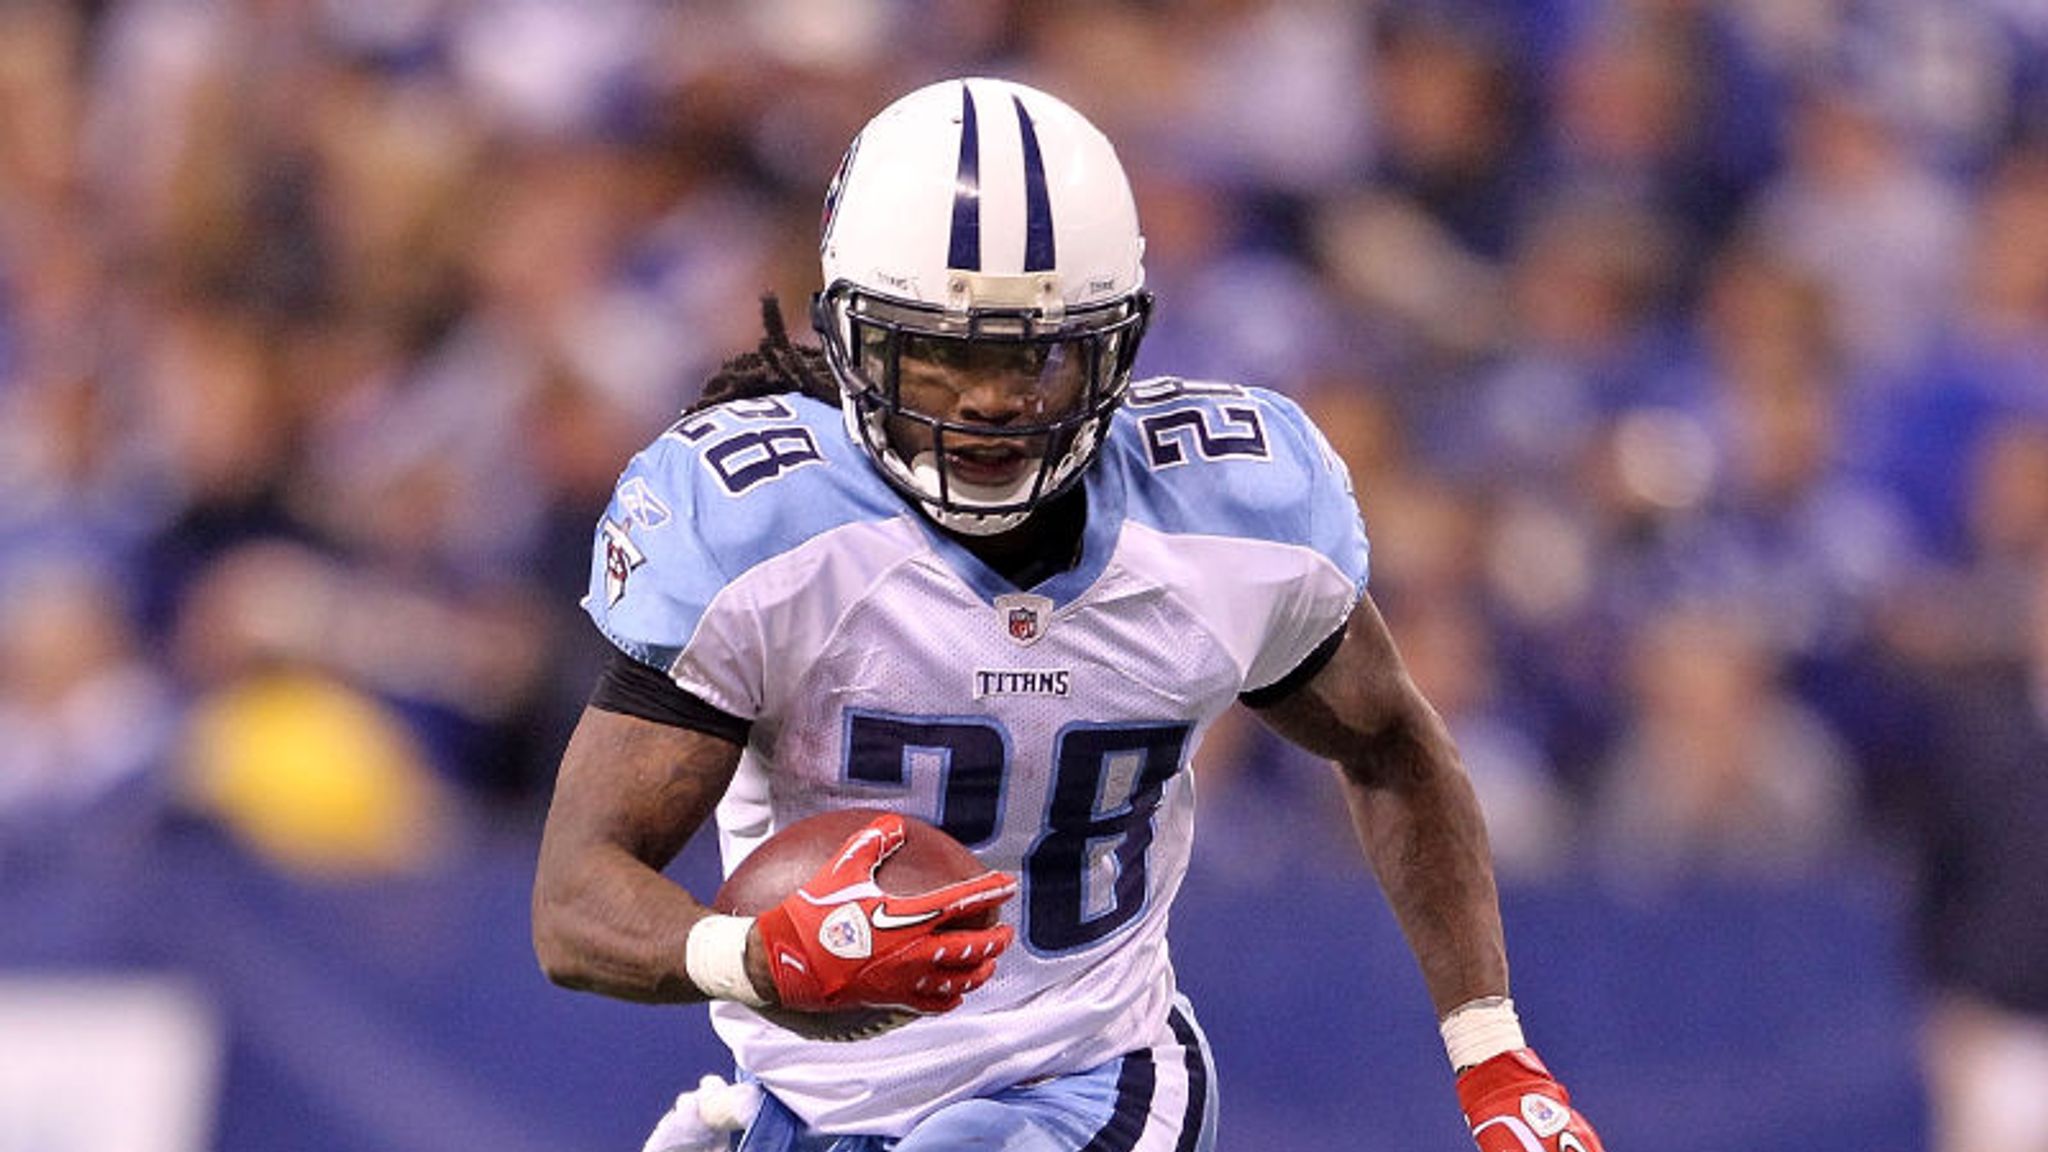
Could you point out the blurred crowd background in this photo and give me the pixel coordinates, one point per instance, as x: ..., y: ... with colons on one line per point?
x: 1691, y: 357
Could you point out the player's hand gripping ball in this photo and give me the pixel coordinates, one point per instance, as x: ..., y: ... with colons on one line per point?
x: 870, y: 919
x: 1514, y: 1104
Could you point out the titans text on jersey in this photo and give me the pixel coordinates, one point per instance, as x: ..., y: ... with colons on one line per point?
x: 754, y: 554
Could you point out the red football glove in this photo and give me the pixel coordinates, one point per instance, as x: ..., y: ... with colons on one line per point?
x: 1514, y: 1105
x: 841, y: 942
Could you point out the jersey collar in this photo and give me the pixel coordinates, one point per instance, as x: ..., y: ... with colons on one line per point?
x: 1105, y: 491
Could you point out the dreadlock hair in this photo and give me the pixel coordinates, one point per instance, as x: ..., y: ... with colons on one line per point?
x: 775, y: 366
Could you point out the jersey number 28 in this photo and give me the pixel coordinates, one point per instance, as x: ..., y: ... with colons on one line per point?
x: 1107, y: 783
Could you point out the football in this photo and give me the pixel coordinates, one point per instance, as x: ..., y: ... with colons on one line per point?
x: 928, y: 859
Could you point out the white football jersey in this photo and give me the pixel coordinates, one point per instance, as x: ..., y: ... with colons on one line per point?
x: 753, y: 552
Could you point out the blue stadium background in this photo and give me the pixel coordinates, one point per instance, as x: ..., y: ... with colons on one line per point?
x: 409, y: 1016
x: 1688, y: 355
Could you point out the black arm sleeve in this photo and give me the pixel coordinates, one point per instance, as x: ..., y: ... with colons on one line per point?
x: 1303, y: 672
x: 627, y: 686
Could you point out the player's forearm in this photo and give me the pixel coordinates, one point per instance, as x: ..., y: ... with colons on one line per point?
x: 629, y: 794
x: 1420, y: 825
x: 615, y: 928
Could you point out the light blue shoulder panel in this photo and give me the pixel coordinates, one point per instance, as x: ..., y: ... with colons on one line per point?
x: 1227, y: 460
x: 716, y: 494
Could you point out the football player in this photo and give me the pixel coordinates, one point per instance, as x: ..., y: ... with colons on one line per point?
x: 955, y: 563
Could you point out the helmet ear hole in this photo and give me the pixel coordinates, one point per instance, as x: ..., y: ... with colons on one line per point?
x: 980, y: 212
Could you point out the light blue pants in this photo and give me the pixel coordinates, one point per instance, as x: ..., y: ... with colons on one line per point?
x: 1159, y: 1099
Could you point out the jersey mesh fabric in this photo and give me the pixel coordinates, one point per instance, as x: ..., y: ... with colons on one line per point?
x: 883, y: 666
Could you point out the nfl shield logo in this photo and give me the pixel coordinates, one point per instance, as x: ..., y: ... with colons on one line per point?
x: 1545, y: 1116
x: 1024, y: 615
x: 845, y: 933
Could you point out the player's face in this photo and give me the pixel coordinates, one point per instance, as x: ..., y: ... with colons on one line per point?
x: 992, y: 387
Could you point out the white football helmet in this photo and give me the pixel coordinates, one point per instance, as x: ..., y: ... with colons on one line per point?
x: 984, y: 225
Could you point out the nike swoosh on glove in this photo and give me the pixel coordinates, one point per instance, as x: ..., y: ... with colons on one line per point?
x: 839, y: 941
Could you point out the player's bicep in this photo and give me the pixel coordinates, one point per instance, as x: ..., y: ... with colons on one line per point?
x: 635, y: 784
x: 1361, y: 695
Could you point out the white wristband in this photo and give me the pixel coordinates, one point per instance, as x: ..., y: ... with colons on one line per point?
x: 1481, y: 1029
x: 715, y: 955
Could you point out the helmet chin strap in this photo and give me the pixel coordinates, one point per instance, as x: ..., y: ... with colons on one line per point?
x: 924, y: 474
x: 921, y: 477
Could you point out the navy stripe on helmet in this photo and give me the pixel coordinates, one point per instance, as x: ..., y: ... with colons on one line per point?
x: 1038, y: 248
x: 964, y: 249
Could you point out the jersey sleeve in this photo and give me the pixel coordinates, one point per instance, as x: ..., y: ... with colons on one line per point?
x: 1327, y: 523
x: 684, y: 574
x: 654, y: 576
x: 1330, y: 521
x: 1260, y: 506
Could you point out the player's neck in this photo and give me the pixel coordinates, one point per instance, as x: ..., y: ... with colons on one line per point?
x: 1042, y: 547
